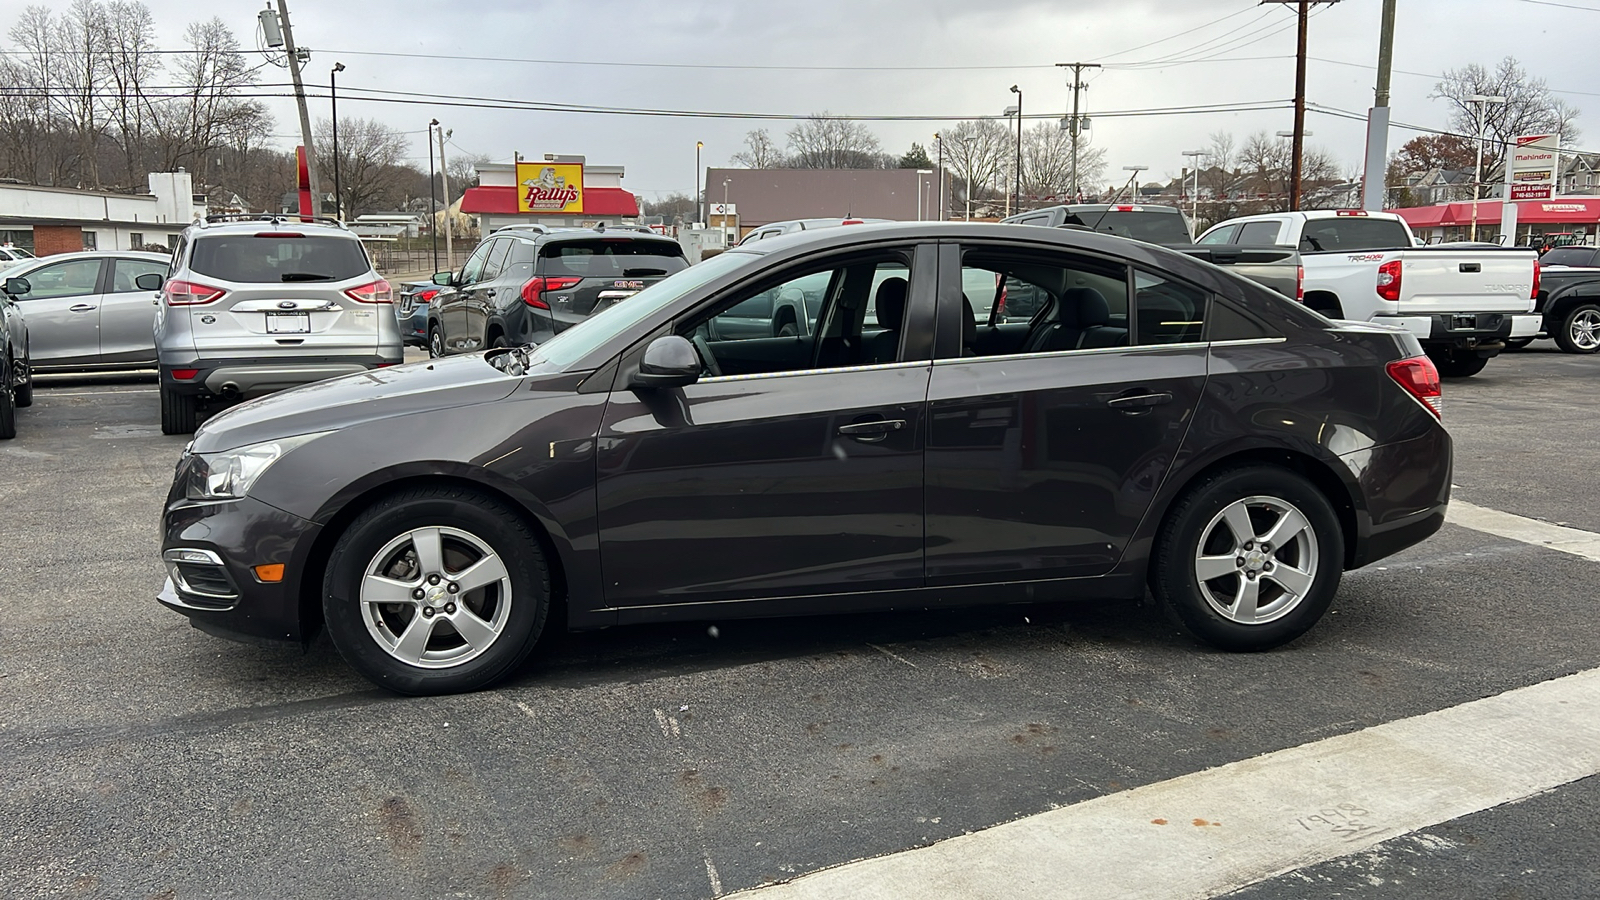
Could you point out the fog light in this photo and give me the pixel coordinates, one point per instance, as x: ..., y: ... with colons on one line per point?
x: 271, y: 572
x: 191, y: 556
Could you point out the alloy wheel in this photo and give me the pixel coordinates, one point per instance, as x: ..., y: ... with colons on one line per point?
x: 1257, y: 560
x: 436, y: 597
x: 1585, y: 329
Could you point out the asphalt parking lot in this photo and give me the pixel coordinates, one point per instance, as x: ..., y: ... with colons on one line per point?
x: 147, y: 759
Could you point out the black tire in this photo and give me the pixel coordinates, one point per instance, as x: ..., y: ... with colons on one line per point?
x: 1193, y: 528
x: 367, y: 544
x: 178, y: 412
x: 8, y: 415
x: 1577, y: 333
x: 1457, y: 363
x: 24, y: 391
x: 1518, y: 343
x: 497, y: 342
x: 785, y: 327
x: 435, y: 342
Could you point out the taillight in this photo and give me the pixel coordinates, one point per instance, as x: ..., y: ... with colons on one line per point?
x: 1300, y: 284
x: 533, y: 291
x: 1421, y: 380
x: 1000, y: 305
x: 184, y: 374
x: 427, y: 296
x: 374, y: 292
x: 190, y: 293
x: 1535, y: 294
x: 1389, y: 280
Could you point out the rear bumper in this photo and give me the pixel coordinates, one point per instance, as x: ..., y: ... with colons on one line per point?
x: 1466, y: 329
x: 1406, y: 488
x: 244, y: 377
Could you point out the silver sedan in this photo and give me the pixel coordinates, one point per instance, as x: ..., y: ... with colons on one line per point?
x: 85, y: 311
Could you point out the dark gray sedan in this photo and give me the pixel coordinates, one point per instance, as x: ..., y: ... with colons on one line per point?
x: 1155, y: 424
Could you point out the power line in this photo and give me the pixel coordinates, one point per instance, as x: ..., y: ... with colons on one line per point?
x: 1185, y: 33
x: 1562, y: 5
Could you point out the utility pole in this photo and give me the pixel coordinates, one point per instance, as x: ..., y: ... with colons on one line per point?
x: 1075, y: 126
x: 938, y: 139
x: 1304, y: 15
x: 433, y: 198
x: 1373, y: 189
x: 300, y: 100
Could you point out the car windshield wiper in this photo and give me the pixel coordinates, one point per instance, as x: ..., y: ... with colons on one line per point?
x: 306, y: 276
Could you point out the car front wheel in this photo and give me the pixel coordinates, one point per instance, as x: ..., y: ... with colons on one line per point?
x: 1250, y: 558
x: 436, y: 591
x: 435, y: 342
x: 1580, y: 329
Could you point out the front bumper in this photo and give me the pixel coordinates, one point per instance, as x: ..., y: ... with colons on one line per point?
x: 215, y: 584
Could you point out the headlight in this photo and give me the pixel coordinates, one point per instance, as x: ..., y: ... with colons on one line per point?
x: 229, y: 475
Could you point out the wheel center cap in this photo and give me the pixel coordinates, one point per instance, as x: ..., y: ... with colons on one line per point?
x: 1255, y: 560
x: 437, y: 595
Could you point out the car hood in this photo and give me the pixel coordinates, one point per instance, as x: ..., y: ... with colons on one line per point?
x: 353, y: 399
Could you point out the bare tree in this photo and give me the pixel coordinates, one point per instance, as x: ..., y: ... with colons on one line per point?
x: 760, y: 151
x: 1530, y: 107
x: 371, y: 156
x: 463, y: 169
x: 207, y: 111
x: 128, y: 39
x: 1047, y: 164
x: 820, y: 142
x: 675, y: 207
x: 978, y: 151
x: 81, y: 75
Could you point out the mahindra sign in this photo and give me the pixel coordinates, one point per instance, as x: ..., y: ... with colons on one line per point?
x: 1535, y: 162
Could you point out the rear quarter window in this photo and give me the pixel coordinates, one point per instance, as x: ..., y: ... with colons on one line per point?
x: 250, y: 259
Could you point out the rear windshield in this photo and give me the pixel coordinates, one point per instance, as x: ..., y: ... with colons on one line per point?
x: 612, y: 258
x: 1150, y: 227
x: 1351, y: 233
x: 1569, y: 256
x: 261, y: 260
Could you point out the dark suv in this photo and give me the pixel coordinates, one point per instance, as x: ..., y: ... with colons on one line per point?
x: 523, y: 288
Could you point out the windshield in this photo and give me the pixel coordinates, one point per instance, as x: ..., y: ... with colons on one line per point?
x: 271, y: 258
x: 1569, y: 256
x: 583, y: 338
x: 1150, y: 227
x: 612, y: 258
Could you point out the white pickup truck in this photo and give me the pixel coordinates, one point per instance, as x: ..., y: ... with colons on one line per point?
x: 1462, y: 303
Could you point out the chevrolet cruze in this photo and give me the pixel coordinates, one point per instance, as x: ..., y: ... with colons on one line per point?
x: 1157, y: 424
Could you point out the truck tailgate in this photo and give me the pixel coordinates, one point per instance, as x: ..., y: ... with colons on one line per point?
x: 1458, y: 281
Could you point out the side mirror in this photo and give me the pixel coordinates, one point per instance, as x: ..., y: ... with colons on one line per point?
x: 149, y: 281
x: 17, y: 287
x: 444, y: 279
x: 670, y: 361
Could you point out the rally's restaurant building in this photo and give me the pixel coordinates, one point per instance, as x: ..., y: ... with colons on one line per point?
x: 1537, y: 220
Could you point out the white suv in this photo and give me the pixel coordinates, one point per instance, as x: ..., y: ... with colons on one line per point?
x: 264, y: 304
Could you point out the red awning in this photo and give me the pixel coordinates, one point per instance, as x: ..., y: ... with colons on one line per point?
x: 596, y: 202
x: 1561, y: 211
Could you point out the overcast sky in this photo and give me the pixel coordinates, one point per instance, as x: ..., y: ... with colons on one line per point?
x: 942, y: 43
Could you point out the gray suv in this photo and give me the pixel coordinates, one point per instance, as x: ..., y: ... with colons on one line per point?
x: 263, y: 304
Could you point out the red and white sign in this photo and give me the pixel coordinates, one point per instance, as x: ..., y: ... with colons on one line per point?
x: 1535, y: 162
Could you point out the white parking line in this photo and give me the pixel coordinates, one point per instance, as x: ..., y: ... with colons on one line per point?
x: 1222, y: 829
x: 1520, y: 528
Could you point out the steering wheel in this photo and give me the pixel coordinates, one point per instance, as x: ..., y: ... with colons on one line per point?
x: 706, y: 357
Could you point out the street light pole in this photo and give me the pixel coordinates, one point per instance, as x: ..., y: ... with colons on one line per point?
x: 1135, y: 179
x: 433, y: 199
x: 725, y: 183
x: 969, y: 142
x: 333, y: 94
x: 1483, y: 100
x: 699, y: 215
x: 939, y: 139
x: 1194, y: 201
x: 1018, y: 91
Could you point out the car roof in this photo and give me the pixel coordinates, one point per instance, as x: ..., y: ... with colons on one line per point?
x: 99, y: 254
x: 589, y: 234
x: 285, y: 223
x: 1065, y: 238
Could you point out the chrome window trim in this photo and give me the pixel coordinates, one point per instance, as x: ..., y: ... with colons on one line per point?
x: 837, y: 370
x: 1097, y: 351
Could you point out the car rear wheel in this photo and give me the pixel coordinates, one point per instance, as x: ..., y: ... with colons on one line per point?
x: 435, y: 342
x: 178, y: 412
x: 1249, y: 559
x: 1580, y: 329
x: 436, y: 591
x: 24, y: 389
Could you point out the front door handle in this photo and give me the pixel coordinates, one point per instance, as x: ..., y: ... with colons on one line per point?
x: 82, y: 307
x: 1139, y: 402
x: 873, y: 431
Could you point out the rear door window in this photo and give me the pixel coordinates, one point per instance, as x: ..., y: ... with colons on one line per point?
x: 1258, y: 233
x: 125, y: 272
x: 612, y: 258
x: 274, y: 258
x: 1224, y: 235
x: 497, y: 259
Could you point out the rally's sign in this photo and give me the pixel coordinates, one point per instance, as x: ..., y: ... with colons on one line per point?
x: 1535, y: 162
x: 549, y: 188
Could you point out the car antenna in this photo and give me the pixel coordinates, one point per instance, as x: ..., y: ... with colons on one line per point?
x: 1107, y: 210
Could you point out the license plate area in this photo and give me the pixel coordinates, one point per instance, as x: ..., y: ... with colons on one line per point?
x: 1463, y: 323
x: 288, y: 323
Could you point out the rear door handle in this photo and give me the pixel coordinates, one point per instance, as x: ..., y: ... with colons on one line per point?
x: 81, y: 307
x: 1139, y: 401
x: 873, y: 431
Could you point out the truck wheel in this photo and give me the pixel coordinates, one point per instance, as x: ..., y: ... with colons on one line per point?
x: 178, y: 412
x: 1580, y: 329
x: 1453, y: 363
